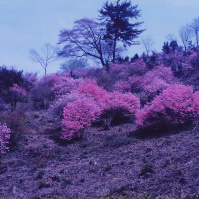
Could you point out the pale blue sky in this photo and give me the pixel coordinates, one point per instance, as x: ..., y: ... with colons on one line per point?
x: 26, y: 24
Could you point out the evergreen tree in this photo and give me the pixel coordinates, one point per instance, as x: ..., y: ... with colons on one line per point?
x: 118, y: 25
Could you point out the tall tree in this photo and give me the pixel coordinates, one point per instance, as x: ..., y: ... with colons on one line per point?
x: 185, y: 35
x: 86, y: 39
x: 118, y: 17
x: 147, y: 43
x: 195, y: 29
x: 48, y: 55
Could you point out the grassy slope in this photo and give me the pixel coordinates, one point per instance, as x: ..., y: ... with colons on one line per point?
x: 105, y: 163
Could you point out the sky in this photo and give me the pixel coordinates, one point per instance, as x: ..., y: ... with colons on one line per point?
x: 29, y: 24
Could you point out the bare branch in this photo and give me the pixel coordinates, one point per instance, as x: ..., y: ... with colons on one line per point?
x: 48, y: 55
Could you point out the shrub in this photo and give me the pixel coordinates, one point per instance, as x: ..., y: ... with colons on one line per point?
x: 77, y: 116
x: 16, y: 94
x: 66, y: 85
x: 76, y: 88
x: 4, y: 138
x: 156, y: 80
x: 90, y: 102
x: 90, y: 88
x: 177, y: 105
x: 106, y: 80
x: 57, y: 107
x: 135, y: 82
x: 16, y: 121
x: 122, y: 86
x: 43, y: 91
x: 115, y: 106
x: 137, y: 68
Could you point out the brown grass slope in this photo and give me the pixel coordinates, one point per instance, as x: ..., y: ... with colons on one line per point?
x: 113, y: 163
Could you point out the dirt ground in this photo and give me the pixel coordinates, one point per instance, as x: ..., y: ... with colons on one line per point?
x: 113, y: 163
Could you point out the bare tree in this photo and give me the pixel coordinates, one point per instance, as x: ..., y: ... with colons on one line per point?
x: 170, y: 37
x: 48, y: 55
x: 147, y: 43
x: 86, y: 39
x: 195, y: 29
x: 185, y: 35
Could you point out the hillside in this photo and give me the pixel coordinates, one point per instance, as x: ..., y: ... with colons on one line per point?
x: 112, y: 163
x: 128, y: 132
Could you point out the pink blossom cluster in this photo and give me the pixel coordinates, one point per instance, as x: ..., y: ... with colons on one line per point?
x: 174, y: 106
x: 137, y: 68
x: 90, y: 88
x: 4, y: 138
x: 115, y: 100
x: 132, y: 84
x: 122, y: 86
x: 123, y: 71
x: 18, y: 90
x: 156, y: 80
x: 57, y: 107
x: 90, y: 102
x: 66, y: 85
x: 79, y: 115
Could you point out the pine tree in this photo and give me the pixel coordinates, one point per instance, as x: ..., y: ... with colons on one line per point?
x: 118, y: 25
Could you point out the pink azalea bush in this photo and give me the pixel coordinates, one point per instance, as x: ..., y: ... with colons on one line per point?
x: 17, y: 90
x: 122, y: 86
x: 56, y: 109
x: 88, y: 103
x: 115, y: 100
x: 66, y: 85
x: 138, y: 67
x: 90, y: 88
x: 176, y: 105
x: 117, y: 107
x: 4, y: 138
x: 133, y: 84
x: 78, y: 115
x: 156, y: 80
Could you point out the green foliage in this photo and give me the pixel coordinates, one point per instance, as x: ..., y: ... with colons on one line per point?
x: 118, y: 26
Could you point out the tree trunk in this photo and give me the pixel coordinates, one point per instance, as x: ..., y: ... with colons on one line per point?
x: 107, y: 66
x: 197, y: 38
x: 45, y: 71
x: 114, y: 49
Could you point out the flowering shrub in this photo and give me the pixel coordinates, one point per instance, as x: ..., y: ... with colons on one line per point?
x: 19, y: 91
x: 137, y: 68
x: 160, y: 72
x: 106, y: 80
x: 122, y: 86
x: 16, y: 94
x: 77, y: 116
x: 176, y: 105
x: 4, y: 138
x: 90, y: 88
x: 66, y: 85
x: 116, y: 105
x: 91, y: 102
x: 57, y: 107
x: 43, y: 91
x: 156, y: 80
x: 135, y: 82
